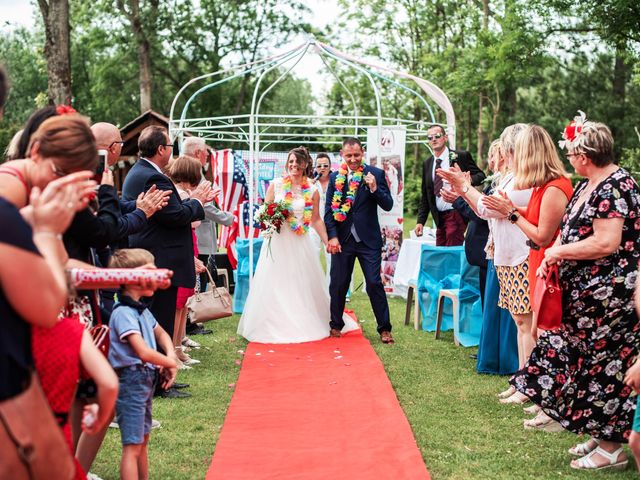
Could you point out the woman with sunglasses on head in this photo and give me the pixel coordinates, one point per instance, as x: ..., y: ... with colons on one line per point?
x: 321, y: 174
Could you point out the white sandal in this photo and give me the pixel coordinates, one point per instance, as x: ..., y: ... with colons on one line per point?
x: 515, y: 399
x: 582, y: 449
x: 543, y: 422
x: 533, y: 410
x: 507, y: 393
x: 586, y: 463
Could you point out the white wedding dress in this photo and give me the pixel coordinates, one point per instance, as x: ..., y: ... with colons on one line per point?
x: 288, y: 301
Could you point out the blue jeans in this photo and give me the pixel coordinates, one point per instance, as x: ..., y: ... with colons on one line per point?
x: 133, y: 407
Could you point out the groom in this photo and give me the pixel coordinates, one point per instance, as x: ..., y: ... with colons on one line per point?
x: 351, y: 217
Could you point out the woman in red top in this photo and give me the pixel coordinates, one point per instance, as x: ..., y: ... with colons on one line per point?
x: 537, y: 165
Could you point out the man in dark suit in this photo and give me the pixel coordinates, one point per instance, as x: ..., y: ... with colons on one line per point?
x: 167, y: 235
x: 450, y: 224
x: 357, y: 234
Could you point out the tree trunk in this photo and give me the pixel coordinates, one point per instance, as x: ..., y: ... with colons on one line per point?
x: 144, y: 46
x: 481, y: 135
x: 144, y: 61
x: 55, y: 15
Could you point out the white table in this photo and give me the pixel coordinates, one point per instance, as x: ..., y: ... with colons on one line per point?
x: 408, y: 264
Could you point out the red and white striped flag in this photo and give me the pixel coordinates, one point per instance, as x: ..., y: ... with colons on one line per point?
x: 248, y: 228
x: 229, y: 175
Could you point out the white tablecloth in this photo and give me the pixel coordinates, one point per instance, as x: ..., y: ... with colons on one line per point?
x: 408, y: 264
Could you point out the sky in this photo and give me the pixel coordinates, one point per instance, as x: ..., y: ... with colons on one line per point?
x: 15, y: 13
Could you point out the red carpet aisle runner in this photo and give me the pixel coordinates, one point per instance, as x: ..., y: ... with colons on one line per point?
x: 318, y: 410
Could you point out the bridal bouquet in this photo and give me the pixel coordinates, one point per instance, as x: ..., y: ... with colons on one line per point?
x: 271, y: 217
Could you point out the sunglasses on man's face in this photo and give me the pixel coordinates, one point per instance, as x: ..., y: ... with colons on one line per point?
x: 435, y: 137
x: 322, y: 165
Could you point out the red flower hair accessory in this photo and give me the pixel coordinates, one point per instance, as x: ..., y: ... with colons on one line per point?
x: 572, y: 135
x: 65, y: 110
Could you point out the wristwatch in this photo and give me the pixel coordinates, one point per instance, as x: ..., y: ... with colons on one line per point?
x: 513, y: 216
x: 465, y: 188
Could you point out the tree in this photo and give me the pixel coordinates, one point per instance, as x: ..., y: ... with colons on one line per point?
x: 142, y: 33
x: 55, y: 14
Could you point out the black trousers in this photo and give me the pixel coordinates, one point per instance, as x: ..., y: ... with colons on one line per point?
x: 341, y: 272
x: 163, y: 308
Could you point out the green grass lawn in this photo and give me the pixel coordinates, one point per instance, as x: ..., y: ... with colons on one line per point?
x: 461, y: 429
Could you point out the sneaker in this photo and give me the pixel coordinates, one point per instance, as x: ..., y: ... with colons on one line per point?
x: 197, y: 329
x: 114, y: 424
x: 155, y: 423
x: 173, y: 393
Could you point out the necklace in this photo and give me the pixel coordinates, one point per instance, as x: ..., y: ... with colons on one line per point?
x: 339, y: 207
x: 297, y: 227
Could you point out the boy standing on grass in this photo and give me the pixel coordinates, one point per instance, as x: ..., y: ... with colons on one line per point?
x: 134, y: 337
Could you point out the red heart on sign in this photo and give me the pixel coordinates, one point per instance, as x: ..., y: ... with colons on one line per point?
x: 400, y: 220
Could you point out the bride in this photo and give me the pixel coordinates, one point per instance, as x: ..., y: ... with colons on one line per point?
x: 288, y: 301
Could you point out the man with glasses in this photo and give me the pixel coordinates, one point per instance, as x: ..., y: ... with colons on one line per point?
x: 450, y: 225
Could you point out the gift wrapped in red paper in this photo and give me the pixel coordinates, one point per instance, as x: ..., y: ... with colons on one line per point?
x: 89, y: 279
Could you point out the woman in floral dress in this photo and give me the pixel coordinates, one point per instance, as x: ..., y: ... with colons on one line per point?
x: 576, y: 373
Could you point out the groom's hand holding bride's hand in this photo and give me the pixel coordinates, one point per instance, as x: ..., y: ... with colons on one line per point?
x: 334, y: 246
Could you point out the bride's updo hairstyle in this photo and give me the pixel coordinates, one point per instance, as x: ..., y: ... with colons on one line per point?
x: 302, y: 158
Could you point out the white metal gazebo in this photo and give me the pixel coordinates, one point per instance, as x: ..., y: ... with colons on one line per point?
x: 259, y: 131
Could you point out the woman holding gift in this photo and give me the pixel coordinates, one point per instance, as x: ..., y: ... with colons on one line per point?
x: 289, y: 301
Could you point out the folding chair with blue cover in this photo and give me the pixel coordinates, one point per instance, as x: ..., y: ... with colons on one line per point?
x: 466, y: 306
x: 439, y: 268
x: 242, y: 271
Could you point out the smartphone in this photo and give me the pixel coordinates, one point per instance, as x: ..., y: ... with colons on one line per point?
x: 102, y: 161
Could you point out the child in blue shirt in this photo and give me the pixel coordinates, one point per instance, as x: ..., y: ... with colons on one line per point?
x: 134, y: 337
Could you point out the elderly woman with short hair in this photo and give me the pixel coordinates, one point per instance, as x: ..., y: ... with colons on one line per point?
x: 576, y: 373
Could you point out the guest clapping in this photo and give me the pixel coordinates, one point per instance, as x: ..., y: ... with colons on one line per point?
x: 539, y: 167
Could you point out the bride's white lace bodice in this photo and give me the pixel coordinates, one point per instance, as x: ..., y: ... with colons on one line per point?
x: 297, y: 204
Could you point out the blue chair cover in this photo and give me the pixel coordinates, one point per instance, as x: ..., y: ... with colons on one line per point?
x: 470, y: 314
x: 241, y: 274
x: 439, y: 268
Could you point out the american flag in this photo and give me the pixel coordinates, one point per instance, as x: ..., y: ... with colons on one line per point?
x: 248, y: 227
x: 229, y: 175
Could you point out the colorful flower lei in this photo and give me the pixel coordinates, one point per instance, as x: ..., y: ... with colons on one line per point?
x: 338, y: 207
x: 297, y: 227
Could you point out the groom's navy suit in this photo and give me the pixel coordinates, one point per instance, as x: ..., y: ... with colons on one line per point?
x: 365, y: 245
